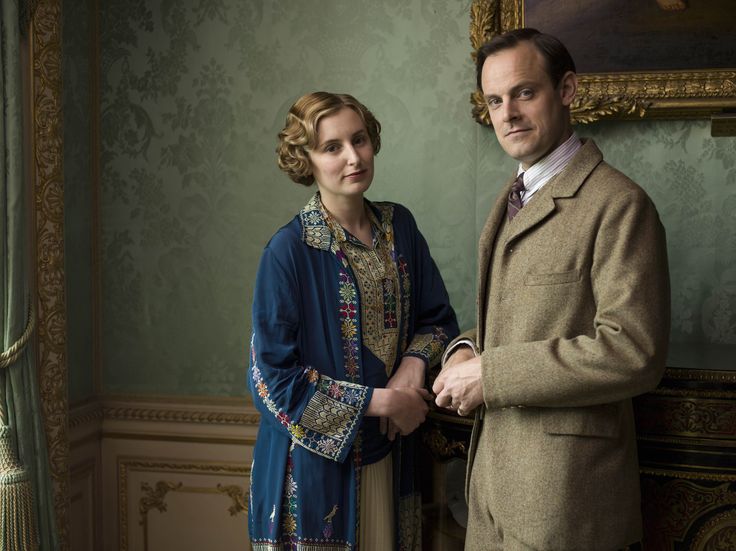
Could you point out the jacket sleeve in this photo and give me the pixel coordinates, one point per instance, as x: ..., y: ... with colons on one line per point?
x: 435, y: 323
x: 624, y: 352
x: 317, y: 412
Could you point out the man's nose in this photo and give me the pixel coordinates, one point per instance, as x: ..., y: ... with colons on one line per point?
x: 509, y: 111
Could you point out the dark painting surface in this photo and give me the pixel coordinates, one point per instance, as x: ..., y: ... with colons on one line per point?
x: 639, y: 35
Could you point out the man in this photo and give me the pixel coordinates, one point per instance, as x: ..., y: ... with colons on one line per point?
x: 573, y: 321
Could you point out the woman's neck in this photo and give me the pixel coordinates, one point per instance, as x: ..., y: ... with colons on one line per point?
x: 350, y: 213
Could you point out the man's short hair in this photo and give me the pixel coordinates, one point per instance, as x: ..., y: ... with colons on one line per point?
x: 558, y: 59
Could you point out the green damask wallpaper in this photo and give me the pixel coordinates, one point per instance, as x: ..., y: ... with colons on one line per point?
x: 77, y: 197
x: 692, y: 179
x: 193, y: 95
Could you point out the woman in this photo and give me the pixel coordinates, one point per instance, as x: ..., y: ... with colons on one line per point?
x: 349, y: 311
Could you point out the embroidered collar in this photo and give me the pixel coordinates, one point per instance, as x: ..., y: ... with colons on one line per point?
x: 319, y: 228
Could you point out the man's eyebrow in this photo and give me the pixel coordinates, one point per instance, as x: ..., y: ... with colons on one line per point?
x: 515, y: 88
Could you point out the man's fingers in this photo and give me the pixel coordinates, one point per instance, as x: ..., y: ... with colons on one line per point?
x: 424, y: 393
x: 443, y: 400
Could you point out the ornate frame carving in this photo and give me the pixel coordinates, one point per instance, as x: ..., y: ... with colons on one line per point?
x: 48, y: 190
x: 662, y: 94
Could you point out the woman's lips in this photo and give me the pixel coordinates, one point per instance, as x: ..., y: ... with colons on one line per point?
x: 356, y: 174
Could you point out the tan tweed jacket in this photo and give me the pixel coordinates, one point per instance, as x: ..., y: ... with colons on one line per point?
x: 578, y: 322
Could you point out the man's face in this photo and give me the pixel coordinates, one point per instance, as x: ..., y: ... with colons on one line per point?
x: 529, y: 115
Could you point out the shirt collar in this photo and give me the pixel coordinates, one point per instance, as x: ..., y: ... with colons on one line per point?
x: 545, y: 169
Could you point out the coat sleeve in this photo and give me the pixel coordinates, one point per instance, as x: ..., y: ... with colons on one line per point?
x: 317, y: 412
x: 435, y: 323
x: 624, y: 353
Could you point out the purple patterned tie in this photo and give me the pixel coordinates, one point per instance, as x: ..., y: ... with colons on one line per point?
x: 514, y: 203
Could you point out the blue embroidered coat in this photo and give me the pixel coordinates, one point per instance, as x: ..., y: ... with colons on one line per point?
x: 312, y: 379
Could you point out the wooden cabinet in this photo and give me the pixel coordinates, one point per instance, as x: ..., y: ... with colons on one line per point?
x: 686, y: 431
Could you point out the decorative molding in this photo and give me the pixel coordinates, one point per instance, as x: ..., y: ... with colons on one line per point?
x: 83, y: 415
x: 132, y: 413
x: 688, y: 475
x: 687, y: 417
x: 440, y: 446
x: 694, y: 393
x: 236, y: 441
x: 685, y: 441
x: 225, y: 411
x: 672, y: 507
x: 660, y: 94
x: 154, y: 497
x: 47, y: 148
x: 239, y: 497
x: 717, y: 534
x: 701, y: 375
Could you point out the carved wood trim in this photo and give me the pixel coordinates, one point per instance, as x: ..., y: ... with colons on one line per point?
x: 47, y: 175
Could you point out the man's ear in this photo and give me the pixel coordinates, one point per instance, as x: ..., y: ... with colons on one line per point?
x: 568, y: 88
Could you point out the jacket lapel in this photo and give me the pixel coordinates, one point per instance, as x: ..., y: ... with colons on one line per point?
x: 565, y: 184
x: 485, y: 249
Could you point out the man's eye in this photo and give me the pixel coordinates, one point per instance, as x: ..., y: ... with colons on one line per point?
x: 526, y: 93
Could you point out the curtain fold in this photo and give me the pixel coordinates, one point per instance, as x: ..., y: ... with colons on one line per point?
x: 19, y: 390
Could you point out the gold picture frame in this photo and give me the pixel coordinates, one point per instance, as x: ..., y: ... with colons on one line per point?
x: 631, y: 95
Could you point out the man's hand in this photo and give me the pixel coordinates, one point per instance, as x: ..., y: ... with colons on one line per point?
x: 463, y: 353
x: 459, y: 385
x: 409, y: 374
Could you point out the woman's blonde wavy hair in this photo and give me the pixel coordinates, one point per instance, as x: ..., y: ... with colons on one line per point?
x: 299, y: 135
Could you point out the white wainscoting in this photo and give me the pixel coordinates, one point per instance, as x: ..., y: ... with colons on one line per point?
x: 161, y: 474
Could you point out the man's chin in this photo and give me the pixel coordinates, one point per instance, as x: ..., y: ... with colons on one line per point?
x: 515, y: 152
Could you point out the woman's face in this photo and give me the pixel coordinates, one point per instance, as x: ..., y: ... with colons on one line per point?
x: 342, y: 161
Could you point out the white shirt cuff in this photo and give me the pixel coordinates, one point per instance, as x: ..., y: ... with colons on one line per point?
x: 454, y: 346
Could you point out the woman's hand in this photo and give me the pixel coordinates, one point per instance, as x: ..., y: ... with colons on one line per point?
x: 405, y: 408
x: 409, y: 374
